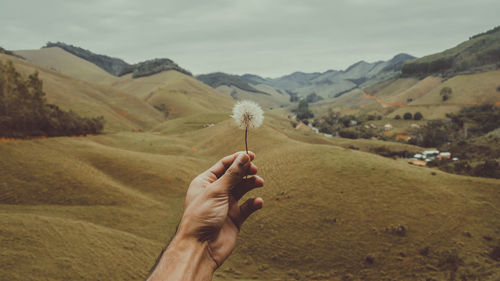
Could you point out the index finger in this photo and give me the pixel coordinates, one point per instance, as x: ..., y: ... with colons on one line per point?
x: 222, y: 165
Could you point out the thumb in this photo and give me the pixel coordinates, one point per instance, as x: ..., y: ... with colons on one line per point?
x: 234, y: 174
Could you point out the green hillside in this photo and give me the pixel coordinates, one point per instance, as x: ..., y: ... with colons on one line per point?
x: 120, y: 110
x: 481, y: 52
x: 330, y: 212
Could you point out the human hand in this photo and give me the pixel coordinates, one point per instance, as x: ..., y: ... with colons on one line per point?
x: 211, y: 221
x: 212, y: 213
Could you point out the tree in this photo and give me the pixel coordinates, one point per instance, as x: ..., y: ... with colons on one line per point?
x: 397, y: 117
x: 446, y: 93
x: 24, y: 111
x: 407, y: 116
x: 303, y: 111
x: 418, y: 116
x: 313, y: 97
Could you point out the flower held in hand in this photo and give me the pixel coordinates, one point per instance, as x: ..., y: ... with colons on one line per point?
x: 247, y: 114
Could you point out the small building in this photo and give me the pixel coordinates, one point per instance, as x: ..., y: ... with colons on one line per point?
x: 430, y: 154
x: 444, y: 155
x: 388, y: 127
x: 415, y: 126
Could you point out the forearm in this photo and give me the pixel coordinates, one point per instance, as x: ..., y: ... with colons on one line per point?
x: 185, y: 258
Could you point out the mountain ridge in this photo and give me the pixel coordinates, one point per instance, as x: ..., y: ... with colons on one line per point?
x: 478, y: 54
x: 330, y: 83
x: 119, y: 67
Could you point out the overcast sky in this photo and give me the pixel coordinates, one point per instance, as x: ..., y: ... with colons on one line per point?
x: 265, y: 37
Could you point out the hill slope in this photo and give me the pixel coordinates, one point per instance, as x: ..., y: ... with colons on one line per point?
x: 175, y: 93
x: 327, y: 209
x: 480, y: 53
x: 119, y: 67
x: 120, y: 110
x: 59, y: 60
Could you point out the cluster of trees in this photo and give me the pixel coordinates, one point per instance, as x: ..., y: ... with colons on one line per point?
x: 347, y: 126
x: 24, y: 111
x: 469, y: 122
x: 313, y: 97
x: 409, y: 116
x: 416, y: 68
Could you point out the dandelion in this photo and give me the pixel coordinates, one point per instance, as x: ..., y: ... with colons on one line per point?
x: 247, y: 114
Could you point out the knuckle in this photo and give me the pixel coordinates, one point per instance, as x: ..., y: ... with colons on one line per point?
x: 234, y: 172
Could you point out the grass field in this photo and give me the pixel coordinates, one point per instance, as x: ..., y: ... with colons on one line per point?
x: 102, y: 207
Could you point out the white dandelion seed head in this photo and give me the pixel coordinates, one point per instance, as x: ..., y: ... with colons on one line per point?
x: 248, y: 114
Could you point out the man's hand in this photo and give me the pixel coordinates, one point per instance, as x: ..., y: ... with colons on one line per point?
x: 211, y: 220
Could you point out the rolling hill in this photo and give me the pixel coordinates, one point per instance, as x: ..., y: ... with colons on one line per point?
x: 175, y: 93
x: 57, y: 59
x: 119, y: 67
x: 102, y: 207
x: 480, y: 53
x: 120, y: 110
x: 330, y: 213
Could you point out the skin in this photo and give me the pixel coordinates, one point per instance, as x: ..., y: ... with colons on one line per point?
x: 211, y: 221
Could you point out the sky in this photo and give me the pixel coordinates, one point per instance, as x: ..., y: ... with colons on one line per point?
x: 269, y: 38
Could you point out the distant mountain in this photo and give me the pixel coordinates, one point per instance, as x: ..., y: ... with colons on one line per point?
x: 218, y: 79
x: 480, y: 53
x: 333, y: 83
x: 119, y: 67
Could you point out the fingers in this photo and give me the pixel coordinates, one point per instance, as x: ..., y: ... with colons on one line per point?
x: 233, y: 175
x: 245, y: 186
x: 222, y: 165
x: 248, y: 208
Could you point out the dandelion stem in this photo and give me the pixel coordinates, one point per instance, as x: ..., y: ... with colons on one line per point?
x: 246, y: 144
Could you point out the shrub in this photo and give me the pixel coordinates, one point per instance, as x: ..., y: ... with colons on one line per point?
x: 397, y: 117
x: 446, y: 93
x: 418, y: 116
x: 489, y: 169
x: 407, y: 116
x: 349, y: 134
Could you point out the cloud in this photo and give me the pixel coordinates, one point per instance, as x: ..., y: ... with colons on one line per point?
x: 269, y: 38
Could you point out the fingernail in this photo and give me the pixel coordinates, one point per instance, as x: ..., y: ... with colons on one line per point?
x: 243, y: 159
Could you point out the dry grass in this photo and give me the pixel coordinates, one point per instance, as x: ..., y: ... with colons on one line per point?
x: 101, y: 207
x: 327, y: 207
x: 121, y: 111
x: 183, y: 95
x: 61, y: 61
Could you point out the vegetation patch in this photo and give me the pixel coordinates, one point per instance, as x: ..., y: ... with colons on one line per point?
x: 24, y: 111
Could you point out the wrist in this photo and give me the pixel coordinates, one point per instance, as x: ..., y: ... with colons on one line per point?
x: 185, y: 258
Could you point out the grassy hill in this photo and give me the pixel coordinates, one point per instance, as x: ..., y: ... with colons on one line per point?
x: 61, y: 61
x: 481, y: 52
x: 120, y: 110
x: 102, y: 207
x: 331, y: 213
x: 181, y: 95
